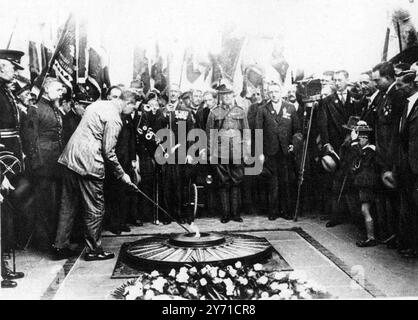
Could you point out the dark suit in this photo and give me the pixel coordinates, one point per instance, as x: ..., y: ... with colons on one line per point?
x: 70, y: 122
x: 331, y: 117
x: 118, y: 202
x: 408, y: 177
x: 388, y: 112
x: 44, y: 132
x: 279, y: 131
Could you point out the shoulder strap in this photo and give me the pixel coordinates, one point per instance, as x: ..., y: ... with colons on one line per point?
x: 223, y: 120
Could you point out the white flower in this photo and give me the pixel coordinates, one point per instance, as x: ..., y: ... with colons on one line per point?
x: 183, y: 270
x: 315, y: 286
x: 133, y: 292
x: 154, y: 274
x: 285, y: 294
x: 221, y: 273
x: 192, y: 291
x: 238, y: 265
x: 213, y: 272
x: 182, y: 277
x: 203, y: 282
x: 203, y: 270
x: 228, y: 283
x: 232, y: 271
x: 264, y: 295
x: 149, y: 295
x: 243, y: 281
x: 275, y: 297
x: 251, y: 273
x: 282, y: 286
x: 172, y: 273
x: 192, y: 270
x: 280, y: 275
x: 258, y: 267
x: 202, y: 298
x: 158, y: 284
x: 147, y: 286
x: 274, y: 286
x: 217, y: 280
x: 262, y: 280
x: 299, y: 276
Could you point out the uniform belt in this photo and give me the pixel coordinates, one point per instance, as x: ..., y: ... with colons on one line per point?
x: 9, y: 133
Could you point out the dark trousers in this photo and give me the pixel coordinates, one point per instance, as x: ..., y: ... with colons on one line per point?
x: 408, y: 224
x: 148, y: 184
x: 172, y: 185
x: 281, y: 184
x: 229, y: 178
x: 120, y: 205
x: 88, y: 191
x: 387, y: 212
x: 47, y: 194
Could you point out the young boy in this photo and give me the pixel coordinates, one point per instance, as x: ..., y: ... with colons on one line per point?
x: 365, y: 177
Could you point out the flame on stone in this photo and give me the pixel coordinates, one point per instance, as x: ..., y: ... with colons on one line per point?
x: 195, y: 229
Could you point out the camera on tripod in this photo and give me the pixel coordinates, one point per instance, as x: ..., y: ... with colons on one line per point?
x: 309, y: 90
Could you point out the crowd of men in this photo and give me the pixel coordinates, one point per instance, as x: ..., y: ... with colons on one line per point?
x: 82, y: 162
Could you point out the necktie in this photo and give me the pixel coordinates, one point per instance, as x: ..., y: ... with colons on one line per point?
x: 341, y: 95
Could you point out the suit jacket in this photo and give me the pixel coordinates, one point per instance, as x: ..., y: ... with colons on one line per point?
x: 278, y: 129
x: 388, y: 113
x: 409, y: 140
x: 44, y: 135
x: 94, y: 141
x: 69, y: 123
x: 332, y: 115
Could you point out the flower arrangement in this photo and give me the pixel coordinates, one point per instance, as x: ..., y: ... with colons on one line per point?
x: 221, y: 283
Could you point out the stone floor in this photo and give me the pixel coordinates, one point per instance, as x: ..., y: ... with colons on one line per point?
x: 328, y: 256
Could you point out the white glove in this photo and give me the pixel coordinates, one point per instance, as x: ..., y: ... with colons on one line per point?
x: 354, y: 134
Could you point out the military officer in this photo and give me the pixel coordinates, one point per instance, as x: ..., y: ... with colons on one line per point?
x: 11, y: 141
x: 175, y: 117
x: 229, y: 145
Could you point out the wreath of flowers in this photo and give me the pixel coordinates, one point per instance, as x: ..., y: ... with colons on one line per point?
x: 221, y: 283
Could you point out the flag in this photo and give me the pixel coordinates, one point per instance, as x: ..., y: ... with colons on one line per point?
x: 64, y: 60
x: 98, y: 72
x: 159, y: 71
x: 196, y: 71
x: 141, y: 67
x: 82, y: 51
x: 35, y: 65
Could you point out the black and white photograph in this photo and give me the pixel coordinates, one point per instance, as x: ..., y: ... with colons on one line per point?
x: 215, y: 150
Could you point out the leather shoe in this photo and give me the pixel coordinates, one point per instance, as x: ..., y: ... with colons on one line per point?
x: 63, y: 253
x: 225, y: 220
x: 5, y: 284
x: 367, y: 243
x: 138, y: 223
x: 10, y: 275
x: 332, y: 223
x: 237, y: 219
x: 125, y: 228
x: 115, y: 231
x: 272, y: 218
x: 166, y: 222
x: 103, y: 255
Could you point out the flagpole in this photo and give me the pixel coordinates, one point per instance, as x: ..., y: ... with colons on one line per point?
x: 11, y: 35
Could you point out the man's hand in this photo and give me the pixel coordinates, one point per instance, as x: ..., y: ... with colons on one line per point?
x: 328, y: 148
x: 354, y: 134
x: 126, y: 178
